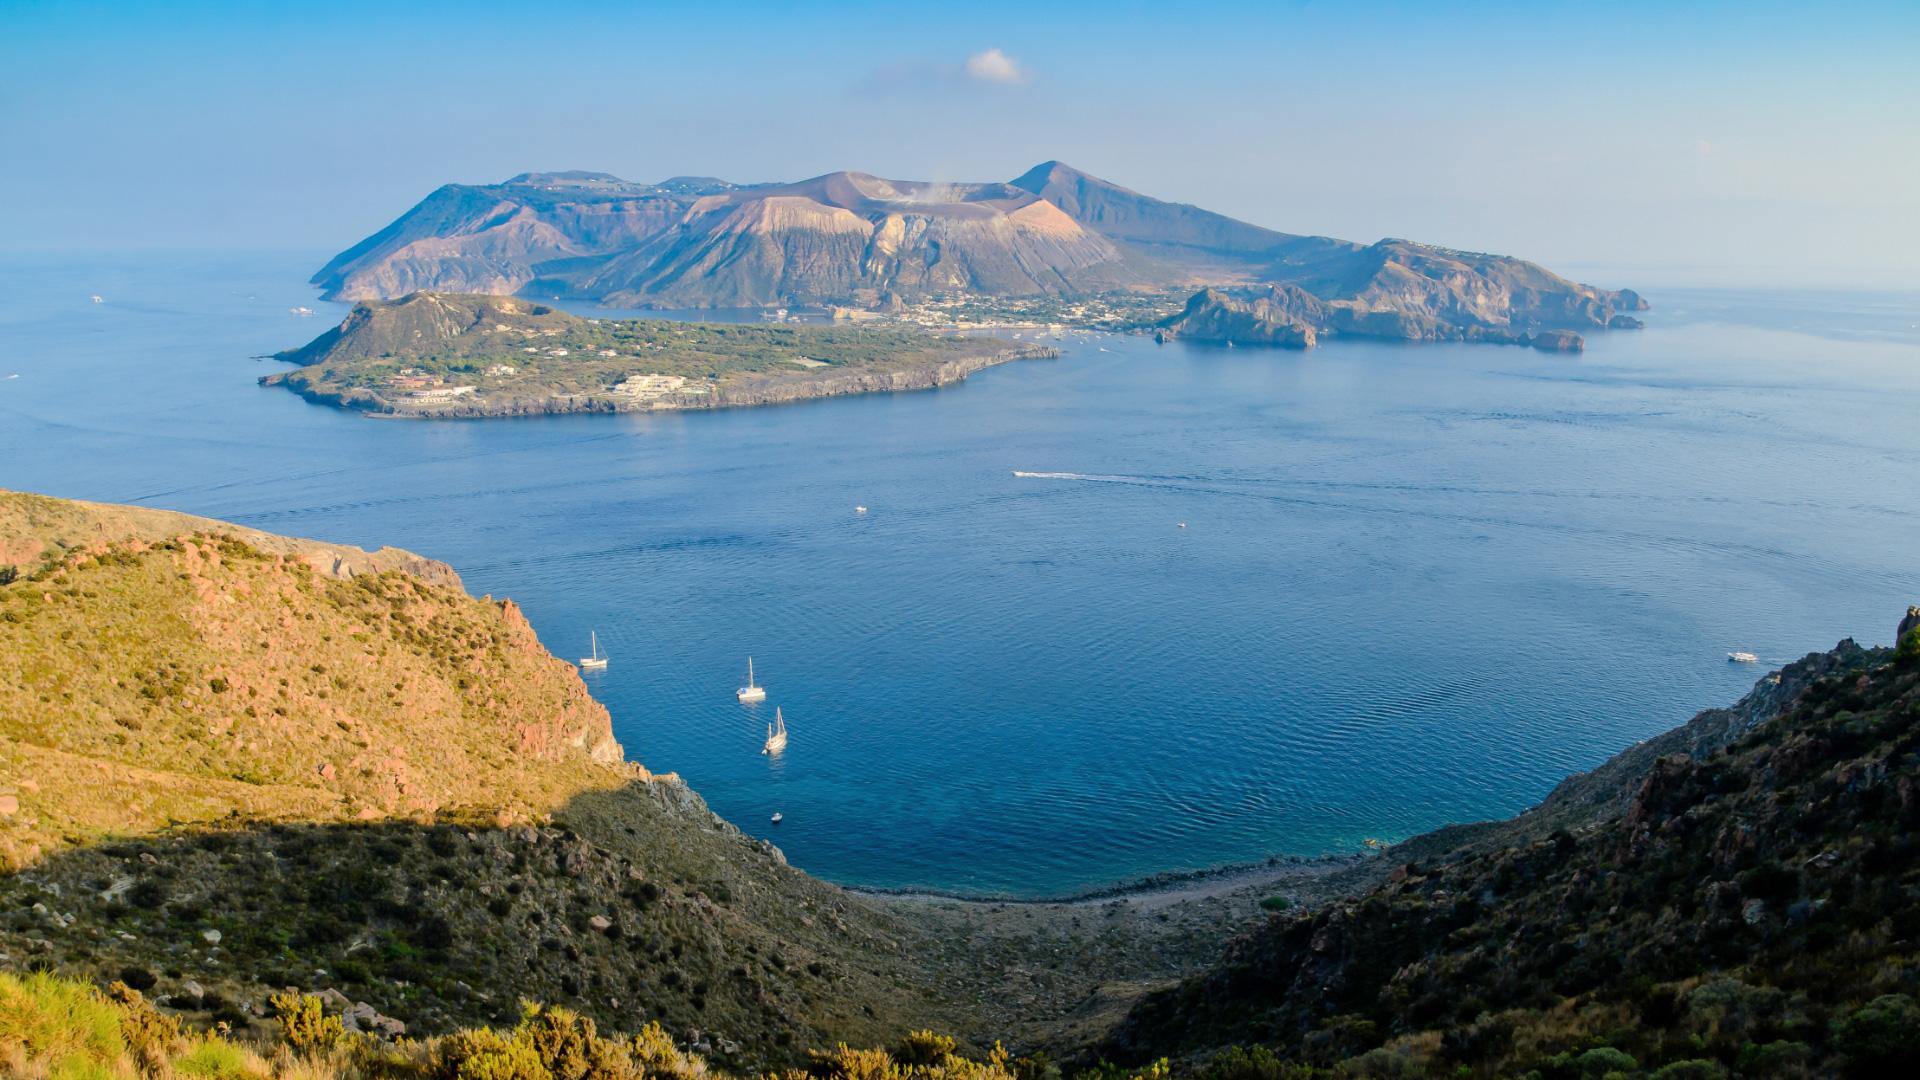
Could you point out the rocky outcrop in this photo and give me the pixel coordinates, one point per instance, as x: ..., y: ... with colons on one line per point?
x: 1285, y: 316
x: 1557, y: 341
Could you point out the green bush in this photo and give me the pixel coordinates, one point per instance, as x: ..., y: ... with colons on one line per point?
x: 1691, y: 1069
x: 1251, y: 1063
x: 1276, y: 903
x: 1879, y: 1037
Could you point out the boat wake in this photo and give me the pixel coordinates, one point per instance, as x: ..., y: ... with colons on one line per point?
x: 1078, y: 476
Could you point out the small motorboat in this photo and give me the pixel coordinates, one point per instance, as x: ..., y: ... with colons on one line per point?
x: 1183, y: 524
x: 859, y: 509
x: 596, y: 662
x: 778, y: 817
x: 1742, y: 658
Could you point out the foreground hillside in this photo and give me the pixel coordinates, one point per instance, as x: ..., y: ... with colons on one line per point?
x: 436, y: 355
x: 1743, y: 896
x: 236, y: 768
x: 231, y: 764
x: 860, y: 241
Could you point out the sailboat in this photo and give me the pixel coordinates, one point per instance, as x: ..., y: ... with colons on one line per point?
x: 776, y: 734
x: 595, y: 662
x: 750, y: 692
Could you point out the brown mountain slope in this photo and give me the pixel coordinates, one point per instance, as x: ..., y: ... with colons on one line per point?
x: 224, y: 771
x: 858, y: 240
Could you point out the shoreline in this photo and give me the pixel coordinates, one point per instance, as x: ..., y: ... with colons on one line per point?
x: 1162, y: 886
x: 750, y: 393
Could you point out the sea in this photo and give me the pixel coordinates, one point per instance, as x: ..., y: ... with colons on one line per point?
x: 1143, y: 608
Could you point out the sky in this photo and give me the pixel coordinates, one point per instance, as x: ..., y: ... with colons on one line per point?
x: 1634, y: 143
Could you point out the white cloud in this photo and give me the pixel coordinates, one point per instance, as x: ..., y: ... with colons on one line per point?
x: 995, y: 66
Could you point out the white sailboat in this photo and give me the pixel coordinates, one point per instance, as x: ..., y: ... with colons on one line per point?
x: 750, y: 692
x: 776, y: 734
x: 595, y: 662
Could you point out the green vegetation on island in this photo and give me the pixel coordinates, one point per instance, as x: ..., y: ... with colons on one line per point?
x: 432, y: 354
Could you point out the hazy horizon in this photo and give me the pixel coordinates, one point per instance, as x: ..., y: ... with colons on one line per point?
x: 1718, y: 145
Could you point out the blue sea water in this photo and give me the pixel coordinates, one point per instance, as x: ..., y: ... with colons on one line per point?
x: 1418, y: 584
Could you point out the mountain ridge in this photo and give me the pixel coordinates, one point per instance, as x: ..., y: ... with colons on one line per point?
x: 853, y: 239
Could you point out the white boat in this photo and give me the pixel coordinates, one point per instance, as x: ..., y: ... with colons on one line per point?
x: 97, y: 298
x: 776, y: 734
x: 859, y: 509
x: 778, y: 817
x: 595, y: 662
x: 751, y: 692
x: 1743, y: 658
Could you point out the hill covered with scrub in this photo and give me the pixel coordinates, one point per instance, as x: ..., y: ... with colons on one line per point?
x: 272, y: 807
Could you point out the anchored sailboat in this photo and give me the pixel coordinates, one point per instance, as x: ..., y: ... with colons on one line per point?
x: 750, y: 692
x: 776, y: 734
x: 596, y: 661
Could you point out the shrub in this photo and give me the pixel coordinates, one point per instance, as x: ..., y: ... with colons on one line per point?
x: 485, y: 1054
x: 1691, y: 1069
x: 925, y: 1048
x: 309, y: 1030
x: 1251, y: 1063
x: 1603, y: 1060
x: 1276, y: 903
x: 1880, y: 1036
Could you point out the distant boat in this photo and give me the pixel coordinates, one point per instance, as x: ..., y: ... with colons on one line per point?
x: 778, y: 817
x: 776, y: 734
x: 97, y: 298
x: 1183, y: 524
x: 595, y: 662
x: 1743, y: 658
x: 751, y: 692
x: 859, y: 509
x: 303, y: 312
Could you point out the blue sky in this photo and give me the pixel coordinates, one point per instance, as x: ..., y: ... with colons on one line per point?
x: 1737, y: 143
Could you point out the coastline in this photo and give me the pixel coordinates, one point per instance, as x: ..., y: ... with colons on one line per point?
x: 1165, y: 886
x: 749, y: 392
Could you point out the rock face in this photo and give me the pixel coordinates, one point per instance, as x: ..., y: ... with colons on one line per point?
x: 1285, y: 316
x: 1411, y: 292
x: 860, y: 241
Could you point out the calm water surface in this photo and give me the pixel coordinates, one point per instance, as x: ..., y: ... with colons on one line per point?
x: 1417, y: 584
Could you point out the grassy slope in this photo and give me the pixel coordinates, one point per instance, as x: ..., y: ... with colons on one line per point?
x: 382, y: 779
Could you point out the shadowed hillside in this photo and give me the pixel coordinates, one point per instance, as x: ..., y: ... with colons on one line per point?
x: 1742, y: 893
